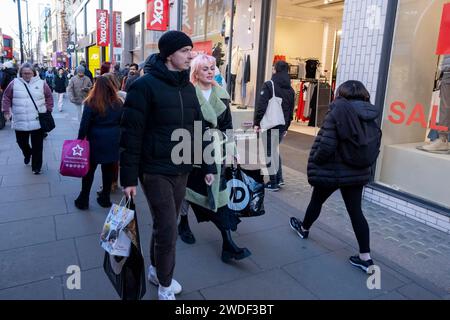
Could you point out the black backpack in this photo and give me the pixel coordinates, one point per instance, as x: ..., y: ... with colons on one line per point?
x: 363, y: 151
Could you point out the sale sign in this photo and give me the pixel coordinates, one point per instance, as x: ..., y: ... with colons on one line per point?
x: 102, y: 28
x: 443, y: 46
x: 157, y: 15
x: 117, y: 29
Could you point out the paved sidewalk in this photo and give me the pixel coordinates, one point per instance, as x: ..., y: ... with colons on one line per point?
x: 42, y: 233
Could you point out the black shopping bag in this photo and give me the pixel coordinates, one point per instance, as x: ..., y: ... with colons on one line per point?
x: 246, y: 190
x: 127, y: 274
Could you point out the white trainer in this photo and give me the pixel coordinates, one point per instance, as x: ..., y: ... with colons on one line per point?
x: 153, y: 279
x: 165, y: 293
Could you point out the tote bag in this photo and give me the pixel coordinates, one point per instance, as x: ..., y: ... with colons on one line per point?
x: 274, y: 113
x: 75, y: 158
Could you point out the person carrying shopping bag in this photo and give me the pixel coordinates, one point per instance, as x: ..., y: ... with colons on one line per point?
x: 24, y: 98
x: 100, y: 124
x: 211, y: 205
x: 159, y: 104
x: 278, y: 87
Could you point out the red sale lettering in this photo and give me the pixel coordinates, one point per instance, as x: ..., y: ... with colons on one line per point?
x: 399, y: 113
x: 398, y: 116
x: 418, y: 109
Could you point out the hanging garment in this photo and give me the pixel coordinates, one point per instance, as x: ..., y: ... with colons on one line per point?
x: 301, y: 70
x: 311, y: 68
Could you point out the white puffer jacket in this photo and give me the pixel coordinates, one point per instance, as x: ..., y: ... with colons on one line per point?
x: 24, y: 114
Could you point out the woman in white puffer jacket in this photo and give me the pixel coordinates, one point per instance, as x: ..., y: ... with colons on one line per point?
x: 25, y: 118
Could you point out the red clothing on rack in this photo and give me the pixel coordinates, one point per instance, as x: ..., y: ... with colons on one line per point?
x: 301, y: 106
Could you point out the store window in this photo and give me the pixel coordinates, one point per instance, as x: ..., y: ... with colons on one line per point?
x: 91, y: 14
x: 415, y: 155
x: 207, y: 22
x: 79, y: 24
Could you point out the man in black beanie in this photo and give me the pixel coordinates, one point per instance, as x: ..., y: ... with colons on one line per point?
x: 157, y: 104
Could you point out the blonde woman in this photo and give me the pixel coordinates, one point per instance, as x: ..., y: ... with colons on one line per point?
x: 214, y: 102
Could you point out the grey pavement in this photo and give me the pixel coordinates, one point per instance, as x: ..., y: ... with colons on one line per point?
x: 42, y: 234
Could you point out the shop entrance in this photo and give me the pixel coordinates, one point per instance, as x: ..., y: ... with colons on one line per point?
x: 307, y: 36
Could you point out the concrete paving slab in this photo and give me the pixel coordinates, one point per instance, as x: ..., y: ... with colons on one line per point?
x: 331, y: 276
x: 29, y: 192
x: 35, y: 263
x: 26, y: 209
x: 42, y: 290
x: 79, y: 224
x: 274, y: 284
x: 278, y: 247
x: 27, y: 232
x: 416, y: 292
x: 201, y: 267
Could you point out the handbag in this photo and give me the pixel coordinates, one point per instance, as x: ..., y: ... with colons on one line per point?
x: 45, y: 118
x: 274, y: 115
x: 127, y: 274
x: 75, y: 158
x: 246, y: 190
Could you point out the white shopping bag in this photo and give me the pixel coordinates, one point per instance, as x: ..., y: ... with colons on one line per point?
x: 114, y: 238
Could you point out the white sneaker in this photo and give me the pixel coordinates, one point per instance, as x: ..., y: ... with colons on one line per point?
x: 437, y: 145
x: 165, y: 293
x: 153, y: 279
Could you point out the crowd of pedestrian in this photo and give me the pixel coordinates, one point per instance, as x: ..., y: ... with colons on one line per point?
x: 129, y: 117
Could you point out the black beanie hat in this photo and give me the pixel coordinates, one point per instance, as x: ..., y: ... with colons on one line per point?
x: 172, y: 41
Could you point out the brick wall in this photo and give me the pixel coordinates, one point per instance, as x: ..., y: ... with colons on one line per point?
x: 361, y: 42
x: 410, y: 210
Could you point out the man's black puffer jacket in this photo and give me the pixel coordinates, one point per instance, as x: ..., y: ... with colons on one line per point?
x: 156, y: 105
x: 325, y: 166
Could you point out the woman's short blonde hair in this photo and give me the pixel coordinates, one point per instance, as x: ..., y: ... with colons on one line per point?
x: 199, y: 62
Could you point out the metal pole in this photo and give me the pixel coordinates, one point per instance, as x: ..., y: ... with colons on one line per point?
x: 230, y: 49
x: 28, y: 31
x: 111, y: 42
x: 20, y: 32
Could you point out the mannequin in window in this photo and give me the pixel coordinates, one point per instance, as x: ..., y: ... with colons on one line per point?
x: 441, y: 144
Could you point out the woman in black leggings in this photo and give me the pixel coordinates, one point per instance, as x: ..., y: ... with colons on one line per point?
x: 328, y: 172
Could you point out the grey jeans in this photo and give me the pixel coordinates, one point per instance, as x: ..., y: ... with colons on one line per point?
x: 444, y: 108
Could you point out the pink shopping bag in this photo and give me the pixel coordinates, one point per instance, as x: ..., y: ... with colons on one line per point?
x: 75, y: 158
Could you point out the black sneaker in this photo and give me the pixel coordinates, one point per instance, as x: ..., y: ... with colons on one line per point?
x: 272, y: 187
x: 281, y: 183
x: 36, y: 172
x: 296, y: 225
x: 27, y: 160
x: 358, y: 262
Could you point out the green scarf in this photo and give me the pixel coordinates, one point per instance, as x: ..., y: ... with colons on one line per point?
x: 211, y: 110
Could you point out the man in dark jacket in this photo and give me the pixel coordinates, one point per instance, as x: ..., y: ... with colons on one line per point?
x: 157, y: 104
x: 282, y: 84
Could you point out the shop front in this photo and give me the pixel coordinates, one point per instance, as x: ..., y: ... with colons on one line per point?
x: 415, y: 158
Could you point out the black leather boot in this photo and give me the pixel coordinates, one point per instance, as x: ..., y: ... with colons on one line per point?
x: 185, y: 231
x: 104, y: 200
x: 82, y: 202
x: 230, y: 250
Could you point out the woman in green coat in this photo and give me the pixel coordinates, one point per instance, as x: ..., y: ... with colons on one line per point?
x: 209, y: 203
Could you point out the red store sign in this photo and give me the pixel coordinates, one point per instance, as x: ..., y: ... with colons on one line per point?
x: 157, y: 15
x: 443, y: 46
x: 117, y: 29
x: 102, y: 28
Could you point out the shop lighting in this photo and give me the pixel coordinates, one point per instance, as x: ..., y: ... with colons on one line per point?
x: 250, y: 9
x: 249, y: 30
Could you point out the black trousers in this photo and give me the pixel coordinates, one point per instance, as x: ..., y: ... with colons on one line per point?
x: 36, y: 149
x: 164, y: 195
x: 273, y: 157
x: 352, y: 199
x: 107, y: 178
